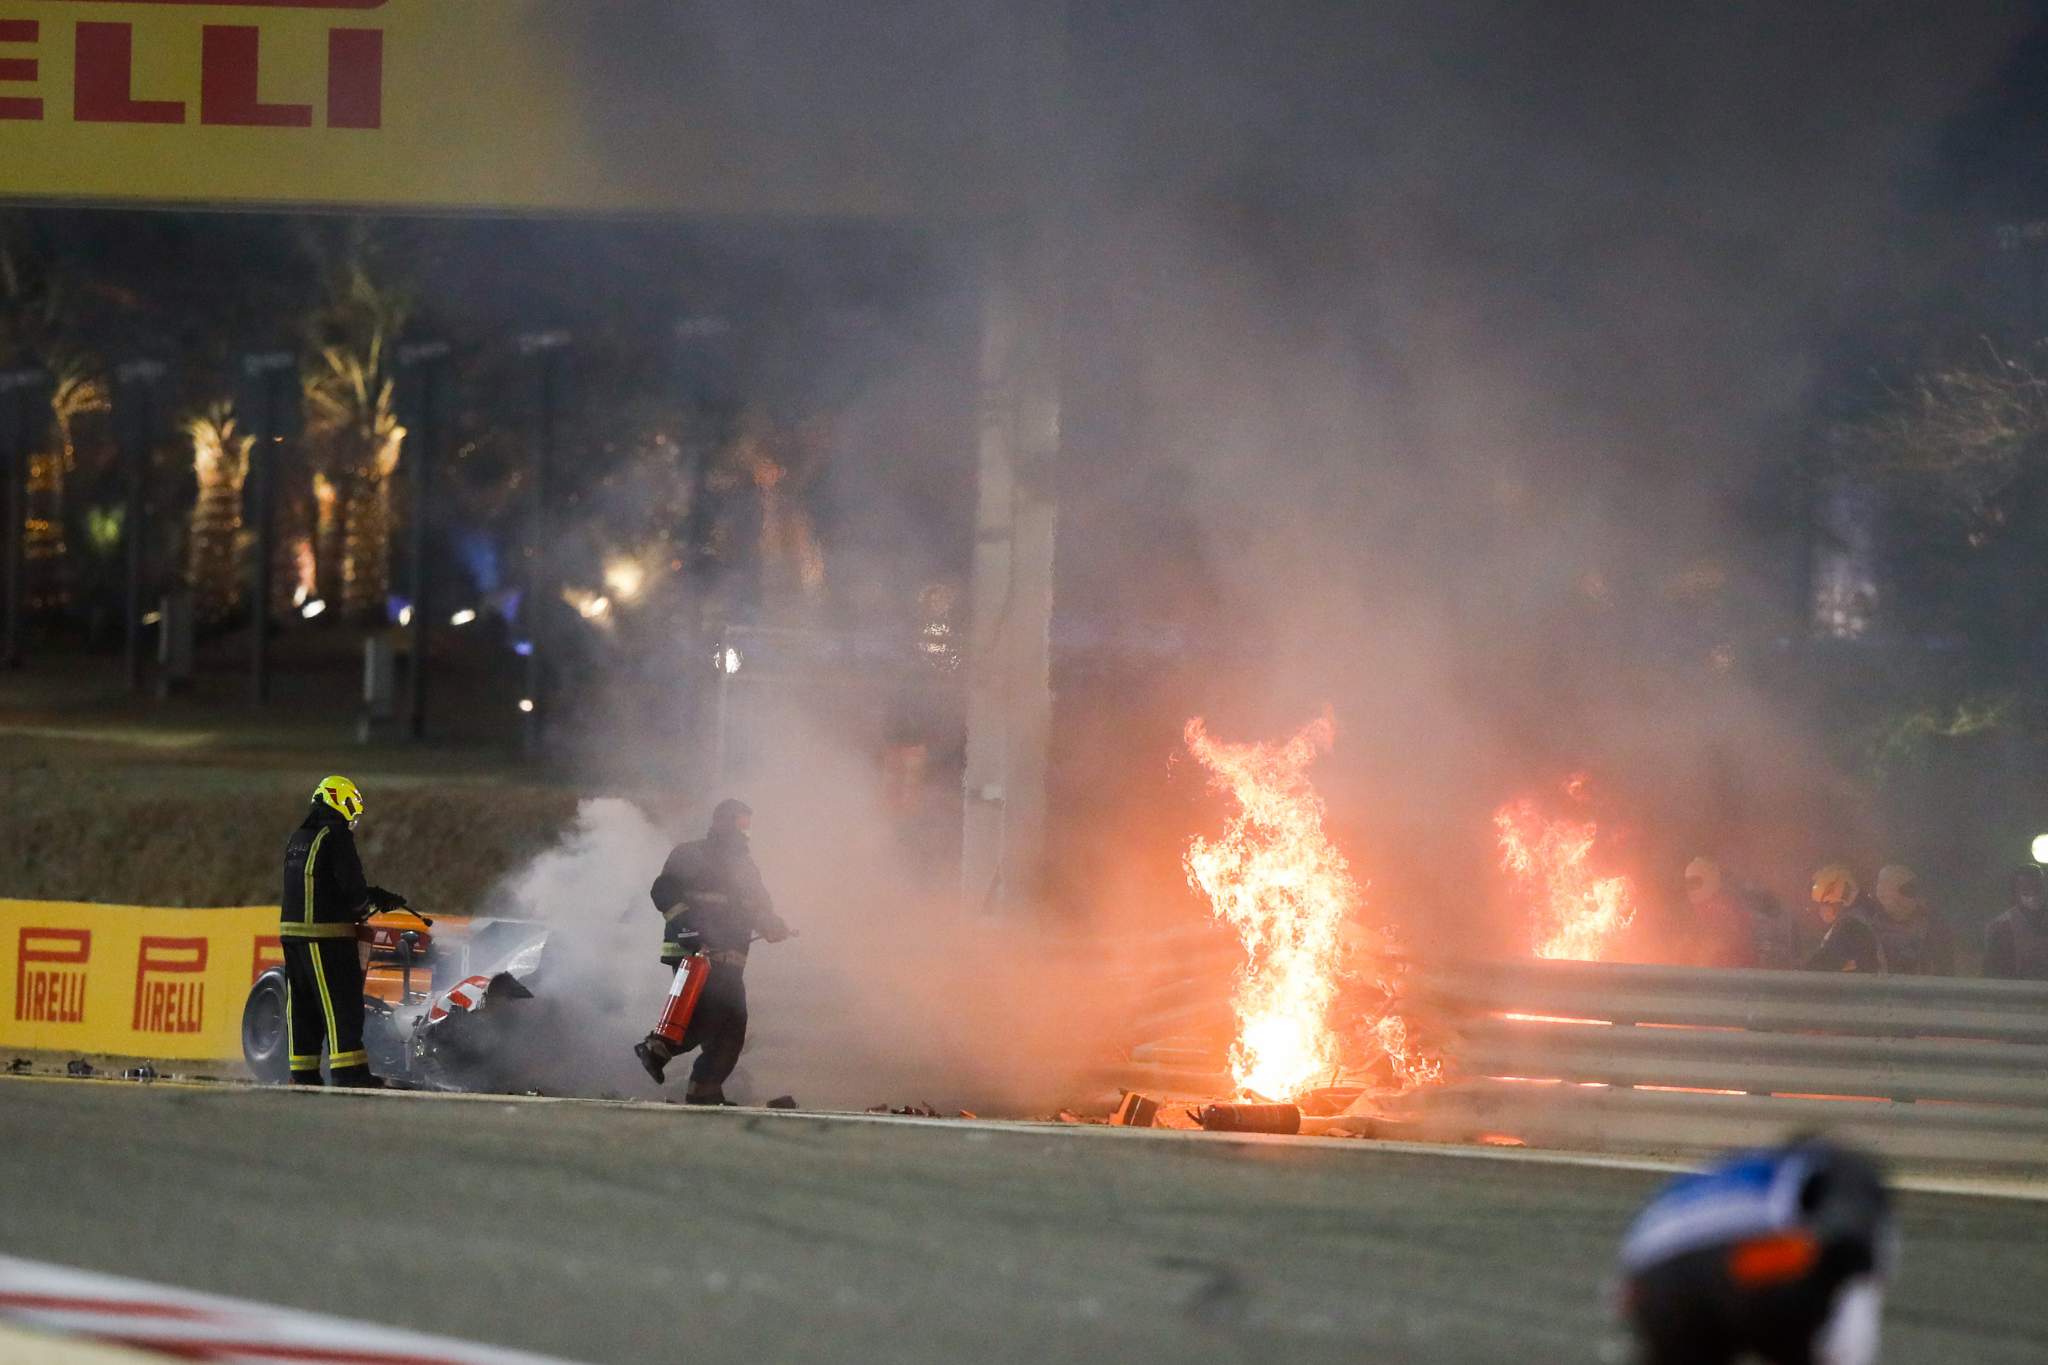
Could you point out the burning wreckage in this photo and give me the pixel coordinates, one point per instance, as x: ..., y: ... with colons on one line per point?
x: 1319, y: 1028
x: 1311, y: 1028
x: 452, y: 1008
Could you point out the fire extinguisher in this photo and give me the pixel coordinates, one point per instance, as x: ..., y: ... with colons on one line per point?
x: 683, y: 994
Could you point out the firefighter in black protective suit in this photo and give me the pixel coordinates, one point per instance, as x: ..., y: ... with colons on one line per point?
x: 325, y: 897
x: 712, y: 897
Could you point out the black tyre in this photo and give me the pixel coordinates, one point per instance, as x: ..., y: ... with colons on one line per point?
x: 265, y: 1044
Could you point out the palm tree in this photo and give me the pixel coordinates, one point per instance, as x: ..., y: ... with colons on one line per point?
x: 354, y: 434
x: 34, y: 326
x: 782, y: 464
x: 220, y: 460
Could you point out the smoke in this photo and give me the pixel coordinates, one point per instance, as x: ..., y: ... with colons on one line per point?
x: 887, y: 996
x: 1426, y: 362
x: 1451, y: 349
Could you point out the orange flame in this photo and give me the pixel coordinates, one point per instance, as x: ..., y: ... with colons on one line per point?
x: 1411, y: 1067
x: 1575, y: 913
x: 1275, y: 878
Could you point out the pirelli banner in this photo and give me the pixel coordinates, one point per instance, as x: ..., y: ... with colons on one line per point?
x: 127, y: 981
x: 728, y: 107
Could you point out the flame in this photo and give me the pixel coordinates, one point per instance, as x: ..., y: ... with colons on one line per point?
x: 1411, y: 1067
x: 1275, y: 878
x: 1575, y: 913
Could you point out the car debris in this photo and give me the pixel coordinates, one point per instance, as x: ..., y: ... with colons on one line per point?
x: 80, y: 1067
x: 450, y: 1010
x: 1251, y: 1118
x: 144, y: 1073
x: 1135, y: 1111
x: 782, y: 1102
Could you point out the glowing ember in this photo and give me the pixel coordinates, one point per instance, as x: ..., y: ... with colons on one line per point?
x: 1575, y: 913
x: 1275, y: 878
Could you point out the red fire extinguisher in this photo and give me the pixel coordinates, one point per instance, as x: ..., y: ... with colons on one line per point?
x: 683, y: 994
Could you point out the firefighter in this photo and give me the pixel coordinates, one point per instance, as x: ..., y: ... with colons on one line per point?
x: 325, y: 898
x: 712, y: 897
x: 1915, y: 940
x: 1776, y: 1255
x: 1850, y: 943
x: 2016, y: 942
x: 1772, y: 930
x: 1721, y: 933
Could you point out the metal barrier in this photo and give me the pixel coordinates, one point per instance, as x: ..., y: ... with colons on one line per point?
x: 1680, y: 1060
x: 1646, y: 1059
x: 1175, y: 987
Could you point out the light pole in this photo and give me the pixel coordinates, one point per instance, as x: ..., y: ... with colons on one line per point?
x: 24, y: 386
x: 548, y: 348
x: 136, y: 394
x: 425, y: 357
x: 267, y: 369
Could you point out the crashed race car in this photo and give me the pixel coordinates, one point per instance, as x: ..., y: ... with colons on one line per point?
x: 441, y: 1010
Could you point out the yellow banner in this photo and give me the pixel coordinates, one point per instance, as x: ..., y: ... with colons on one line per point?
x: 584, y: 106
x: 129, y: 981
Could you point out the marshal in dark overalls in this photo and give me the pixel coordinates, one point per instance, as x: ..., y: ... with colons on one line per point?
x: 714, y: 902
x: 325, y: 898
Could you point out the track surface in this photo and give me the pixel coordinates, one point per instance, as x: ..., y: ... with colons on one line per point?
x: 646, y: 1233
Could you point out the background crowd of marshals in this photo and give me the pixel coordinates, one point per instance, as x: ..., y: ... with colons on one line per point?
x: 325, y: 898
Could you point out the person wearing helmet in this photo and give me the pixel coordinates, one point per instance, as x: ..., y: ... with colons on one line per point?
x: 1850, y: 943
x: 1915, y: 940
x: 325, y: 897
x: 2016, y: 942
x: 714, y: 903
x: 1719, y: 933
x: 1778, y: 1255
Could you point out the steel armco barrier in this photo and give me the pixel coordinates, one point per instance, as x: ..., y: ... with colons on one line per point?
x: 1612, y: 1057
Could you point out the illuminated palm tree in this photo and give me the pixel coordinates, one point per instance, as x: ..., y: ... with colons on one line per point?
x: 783, y: 464
x: 33, y: 318
x: 354, y: 435
x: 220, y: 461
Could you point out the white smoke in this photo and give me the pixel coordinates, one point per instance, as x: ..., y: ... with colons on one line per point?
x: 888, y: 996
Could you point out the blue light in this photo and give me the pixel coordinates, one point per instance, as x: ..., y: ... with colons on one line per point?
x: 523, y: 648
x: 479, y: 554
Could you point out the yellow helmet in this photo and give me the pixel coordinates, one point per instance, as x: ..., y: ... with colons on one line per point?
x: 1835, y: 885
x: 341, y: 794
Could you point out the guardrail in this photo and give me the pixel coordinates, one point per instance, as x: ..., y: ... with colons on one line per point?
x: 1669, y: 1059
x: 1174, y: 986
x: 1651, y: 1059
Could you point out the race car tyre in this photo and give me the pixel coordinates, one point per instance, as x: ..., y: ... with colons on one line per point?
x: 265, y: 1048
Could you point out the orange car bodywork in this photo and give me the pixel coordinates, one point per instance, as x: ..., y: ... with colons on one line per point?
x: 384, y: 974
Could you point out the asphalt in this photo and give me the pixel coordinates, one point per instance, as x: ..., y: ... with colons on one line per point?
x: 612, y: 1232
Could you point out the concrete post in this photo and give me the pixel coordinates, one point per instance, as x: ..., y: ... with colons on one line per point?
x: 1009, y: 684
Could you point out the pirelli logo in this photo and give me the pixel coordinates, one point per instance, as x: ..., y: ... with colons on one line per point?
x: 170, y: 985
x: 49, y: 975
x: 224, y: 88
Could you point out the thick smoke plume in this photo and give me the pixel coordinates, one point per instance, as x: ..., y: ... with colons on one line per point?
x: 1425, y: 362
